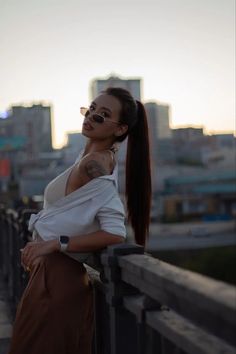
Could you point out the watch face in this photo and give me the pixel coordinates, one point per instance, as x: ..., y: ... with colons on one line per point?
x: 64, y: 239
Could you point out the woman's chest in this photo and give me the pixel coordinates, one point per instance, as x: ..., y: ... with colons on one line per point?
x: 76, y: 179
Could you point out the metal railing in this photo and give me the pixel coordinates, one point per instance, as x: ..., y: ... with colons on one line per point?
x: 142, y: 305
x: 13, y: 236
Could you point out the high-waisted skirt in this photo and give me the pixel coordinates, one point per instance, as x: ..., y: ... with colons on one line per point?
x: 55, y: 314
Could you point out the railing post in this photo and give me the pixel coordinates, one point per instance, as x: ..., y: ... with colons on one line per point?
x: 148, y: 343
x: 121, y: 320
x: 23, y: 238
x: 3, y: 241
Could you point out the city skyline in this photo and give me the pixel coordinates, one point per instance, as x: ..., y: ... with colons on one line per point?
x: 182, y: 50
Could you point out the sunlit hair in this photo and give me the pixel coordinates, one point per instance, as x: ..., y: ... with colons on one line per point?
x: 138, y: 173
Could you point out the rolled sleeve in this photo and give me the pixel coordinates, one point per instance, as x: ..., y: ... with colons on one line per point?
x: 112, y: 218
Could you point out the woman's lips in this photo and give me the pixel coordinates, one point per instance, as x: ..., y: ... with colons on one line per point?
x: 87, y: 126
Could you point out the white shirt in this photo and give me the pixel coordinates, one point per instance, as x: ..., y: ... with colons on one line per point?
x: 92, y: 207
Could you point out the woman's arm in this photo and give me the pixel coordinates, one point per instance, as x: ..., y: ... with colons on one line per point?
x: 82, y: 243
x: 91, y: 242
x: 93, y: 165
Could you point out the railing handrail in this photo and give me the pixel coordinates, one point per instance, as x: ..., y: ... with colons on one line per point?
x: 183, y: 309
x: 214, y: 295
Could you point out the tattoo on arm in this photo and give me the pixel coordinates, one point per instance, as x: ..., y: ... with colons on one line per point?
x: 94, y: 169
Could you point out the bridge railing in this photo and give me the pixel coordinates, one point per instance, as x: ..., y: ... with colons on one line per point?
x: 13, y: 236
x: 142, y: 305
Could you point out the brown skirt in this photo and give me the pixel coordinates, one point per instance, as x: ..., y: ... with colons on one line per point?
x: 55, y: 314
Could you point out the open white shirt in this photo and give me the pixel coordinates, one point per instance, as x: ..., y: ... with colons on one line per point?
x: 94, y: 206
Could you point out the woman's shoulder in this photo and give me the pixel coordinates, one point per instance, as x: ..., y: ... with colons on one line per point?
x: 89, y: 167
x: 96, y: 164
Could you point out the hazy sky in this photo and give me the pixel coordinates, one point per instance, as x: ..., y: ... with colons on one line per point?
x: 183, y: 50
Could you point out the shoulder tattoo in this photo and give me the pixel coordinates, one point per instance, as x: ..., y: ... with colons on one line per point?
x: 94, y: 169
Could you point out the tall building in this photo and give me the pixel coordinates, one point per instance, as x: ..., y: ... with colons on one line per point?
x: 132, y: 85
x: 29, y: 125
x: 159, y: 132
x: 158, y: 119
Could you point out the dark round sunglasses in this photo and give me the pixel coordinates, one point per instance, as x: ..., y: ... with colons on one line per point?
x: 97, y: 118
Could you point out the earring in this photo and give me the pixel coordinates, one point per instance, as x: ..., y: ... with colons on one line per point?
x: 115, y: 147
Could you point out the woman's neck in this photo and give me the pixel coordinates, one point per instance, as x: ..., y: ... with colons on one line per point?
x: 94, y: 146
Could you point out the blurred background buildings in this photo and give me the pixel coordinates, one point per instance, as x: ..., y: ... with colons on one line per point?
x: 194, y: 175
x: 132, y: 85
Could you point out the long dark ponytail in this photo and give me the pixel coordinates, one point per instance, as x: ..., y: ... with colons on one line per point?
x: 138, y: 173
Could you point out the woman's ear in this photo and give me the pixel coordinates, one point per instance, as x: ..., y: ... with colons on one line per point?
x: 121, y: 129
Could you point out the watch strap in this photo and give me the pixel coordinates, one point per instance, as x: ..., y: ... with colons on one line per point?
x: 63, y: 240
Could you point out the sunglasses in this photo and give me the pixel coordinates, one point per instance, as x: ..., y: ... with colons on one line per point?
x: 97, y: 118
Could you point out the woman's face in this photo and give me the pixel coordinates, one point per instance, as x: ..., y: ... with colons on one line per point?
x: 108, y: 107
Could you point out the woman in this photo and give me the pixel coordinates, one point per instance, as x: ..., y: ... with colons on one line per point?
x: 82, y: 213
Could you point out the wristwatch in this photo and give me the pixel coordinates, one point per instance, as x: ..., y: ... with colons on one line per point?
x: 63, y: 240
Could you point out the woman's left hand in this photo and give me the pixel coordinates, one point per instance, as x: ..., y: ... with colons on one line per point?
x: 35, y: 249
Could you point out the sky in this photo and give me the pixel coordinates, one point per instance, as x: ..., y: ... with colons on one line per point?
x: 183, y: 50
